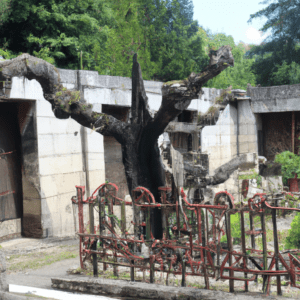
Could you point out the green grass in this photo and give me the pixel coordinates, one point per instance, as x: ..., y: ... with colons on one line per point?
x: 38, y: 260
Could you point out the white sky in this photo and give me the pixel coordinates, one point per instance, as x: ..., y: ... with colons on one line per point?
x: 230, y: 17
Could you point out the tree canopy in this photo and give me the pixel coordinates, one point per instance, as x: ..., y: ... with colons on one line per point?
x: 55, y: 30
x: 237, y: 77
x: 102, y: 35
x: 277, y: 59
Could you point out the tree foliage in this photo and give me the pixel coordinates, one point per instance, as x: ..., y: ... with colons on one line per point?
x: 55, y: 29
x: 290, y: 164
x: 293, y: 239
x: 241, y: 74
x: 277, y: 59
x: 103, y: 35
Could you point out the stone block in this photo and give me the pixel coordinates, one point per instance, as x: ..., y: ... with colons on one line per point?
x: 97, y: 95
x: 252, y: 147
x: 225, y: 139
x: 113, y: 82
x: 66, y: 144
x: 53, y: 185
x: 97, y: 177
x: 243, y: 129
x: 68, y: 76
x: 96, y: 161
x: 60, y: 164
x: 69, y: 86
x: 243, y: 138
x: 95, y: 142
x: 44, y: 109
x: 57, y: 215
x: 10, y: 228
x: 101, y: 81
x: 252, y: 129
x: 125, y: 83
x: 120, y: 97
x: 45, y: 145
x: 51, y: 125
x: 97, y: 107
x: 243, y: 147
x: 88, y: 78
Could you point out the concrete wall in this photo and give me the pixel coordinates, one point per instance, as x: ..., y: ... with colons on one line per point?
x: 59, y: 154
x: 60, y: 160
x: 60, y: 165
x: 220, y: 140
x: 275, y: 98
x: 247, y: 128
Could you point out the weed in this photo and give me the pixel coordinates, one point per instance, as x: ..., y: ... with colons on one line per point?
x: 38, y: 260
x: 252, y: 175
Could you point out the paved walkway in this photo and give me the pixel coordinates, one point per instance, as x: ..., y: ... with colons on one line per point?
x: 41, y: 278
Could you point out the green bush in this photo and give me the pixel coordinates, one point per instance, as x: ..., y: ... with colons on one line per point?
x: 293, y: 239
x: 290, y: 164
x: 235, y: 222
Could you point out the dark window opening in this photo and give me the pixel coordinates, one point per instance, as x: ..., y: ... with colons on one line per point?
x: 260, y: 143
x: 119, y: 112
x: 190, y: 143
x: 186, y: 116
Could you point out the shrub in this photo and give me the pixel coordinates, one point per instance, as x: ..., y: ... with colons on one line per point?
x: 290, y: 164
x: 293, y: 239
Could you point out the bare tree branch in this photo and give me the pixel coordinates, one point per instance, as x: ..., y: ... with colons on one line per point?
x: 65, y: 103
x: 177, y: 95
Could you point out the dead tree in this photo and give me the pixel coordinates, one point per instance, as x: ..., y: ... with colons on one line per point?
x: 141, y: 156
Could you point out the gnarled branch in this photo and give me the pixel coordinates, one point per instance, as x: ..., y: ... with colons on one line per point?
x: 65, y: 103
x: 177, y: 95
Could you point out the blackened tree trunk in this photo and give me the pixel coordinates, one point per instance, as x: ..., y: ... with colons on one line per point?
x: 141, y: 156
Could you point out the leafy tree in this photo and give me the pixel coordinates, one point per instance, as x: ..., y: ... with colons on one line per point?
x: 293, y: 239
x: 287, y: 74
x: 281, y: 48
x: 56, y: 29
x: 4, y: 10
x: 237, y: 77
x: 128, y: 36
x: 177, y: 50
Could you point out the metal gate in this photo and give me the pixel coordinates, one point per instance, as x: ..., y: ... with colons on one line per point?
x: 10, y: 163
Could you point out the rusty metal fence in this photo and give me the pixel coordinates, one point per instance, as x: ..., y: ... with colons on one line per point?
x: 191, y: 240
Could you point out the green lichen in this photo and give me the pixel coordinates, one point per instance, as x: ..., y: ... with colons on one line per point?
x: 174, y: 82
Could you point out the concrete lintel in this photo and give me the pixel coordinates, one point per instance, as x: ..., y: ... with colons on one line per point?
x: 275, y: 105
x: 181, y: 127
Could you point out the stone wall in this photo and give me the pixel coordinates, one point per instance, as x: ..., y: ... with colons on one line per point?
x: 59, y: 166
x: 275, y: 98
x: 62, y: 145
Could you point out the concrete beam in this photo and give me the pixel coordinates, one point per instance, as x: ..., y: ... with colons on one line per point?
x: 139, y: 290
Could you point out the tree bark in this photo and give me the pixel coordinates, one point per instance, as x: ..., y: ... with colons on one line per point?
x: 141, y: 156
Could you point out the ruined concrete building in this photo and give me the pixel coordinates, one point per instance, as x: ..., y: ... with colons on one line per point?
x: 56, y: 155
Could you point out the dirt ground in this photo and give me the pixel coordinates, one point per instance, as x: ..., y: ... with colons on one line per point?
x: 32, y: 262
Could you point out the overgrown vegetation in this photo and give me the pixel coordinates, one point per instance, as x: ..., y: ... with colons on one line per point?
x: 277, y: 60
x: 252, y: 175
x: 103, y: 35
x: 293, y: 238
x: 290, y: 164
